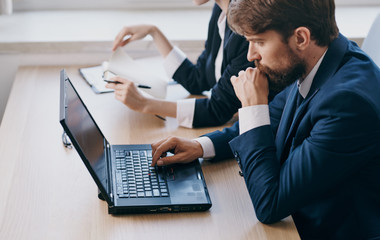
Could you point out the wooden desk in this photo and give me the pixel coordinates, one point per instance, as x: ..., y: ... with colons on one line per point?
x: 47, y: 193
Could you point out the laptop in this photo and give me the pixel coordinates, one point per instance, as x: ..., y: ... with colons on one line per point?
x: 123, y: 174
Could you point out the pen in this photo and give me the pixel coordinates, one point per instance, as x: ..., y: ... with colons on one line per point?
x: 160, y: 117
x: 111, y: 81
x: 139, y: 85
x: 143, y: 86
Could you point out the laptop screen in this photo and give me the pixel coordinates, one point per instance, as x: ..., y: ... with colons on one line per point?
x: 84, y: 133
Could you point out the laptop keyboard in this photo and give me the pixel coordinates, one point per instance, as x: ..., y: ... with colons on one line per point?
x: 135, y: 177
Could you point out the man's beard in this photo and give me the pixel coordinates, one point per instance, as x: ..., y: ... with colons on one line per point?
x: 281, y: 78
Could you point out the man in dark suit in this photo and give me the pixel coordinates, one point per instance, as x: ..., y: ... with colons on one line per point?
x: 314, y: 151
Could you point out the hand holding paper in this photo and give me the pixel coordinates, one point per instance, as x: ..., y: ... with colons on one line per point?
x: 134, y: 80
x: 125, y: 67
x: 126, y: 92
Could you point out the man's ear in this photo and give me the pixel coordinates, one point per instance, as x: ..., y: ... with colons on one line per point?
x: 302, y: 38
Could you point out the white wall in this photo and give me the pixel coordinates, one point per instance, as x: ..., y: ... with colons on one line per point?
x: 83, y: 38
x: 9, y: 64
x: 8, y: 68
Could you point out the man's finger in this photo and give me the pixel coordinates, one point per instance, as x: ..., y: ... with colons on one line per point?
x: 164, y: 147
x: 233, y: 79
x: 169, y: 160
x: 156, y: 144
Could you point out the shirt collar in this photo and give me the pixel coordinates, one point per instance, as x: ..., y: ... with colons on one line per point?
x: 222, y: 24
x: 305, y: 85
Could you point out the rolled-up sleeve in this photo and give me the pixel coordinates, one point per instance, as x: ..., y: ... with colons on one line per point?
x: 173, y: 60
x: 252, y: 117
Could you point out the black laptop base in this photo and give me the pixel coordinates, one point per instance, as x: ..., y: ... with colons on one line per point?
x: 155, y: 209
x: 158, y: 209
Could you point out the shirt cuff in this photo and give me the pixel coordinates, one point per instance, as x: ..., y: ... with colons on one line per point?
x: 185, y: 112
x: 173, y: 60
x: 252, y: 117
x: 208, y: 147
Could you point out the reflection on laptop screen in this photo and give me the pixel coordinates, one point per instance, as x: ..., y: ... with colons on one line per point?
x: 85, y: 132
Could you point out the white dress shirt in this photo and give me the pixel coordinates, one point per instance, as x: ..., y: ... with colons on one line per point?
x: 256, y: 116
x: 186, y: 107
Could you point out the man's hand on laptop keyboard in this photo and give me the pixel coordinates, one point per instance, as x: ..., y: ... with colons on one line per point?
x: 184, y: 150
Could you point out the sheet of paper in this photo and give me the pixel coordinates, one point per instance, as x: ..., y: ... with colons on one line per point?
x: 140, y: 71
x: 94, y: 77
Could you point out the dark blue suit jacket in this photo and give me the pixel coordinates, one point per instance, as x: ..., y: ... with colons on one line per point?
x: 322, y: 166
x: 200, y: 77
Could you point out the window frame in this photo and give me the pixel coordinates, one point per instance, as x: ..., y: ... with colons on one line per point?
x: 37, y: 5
x: 357, y: 3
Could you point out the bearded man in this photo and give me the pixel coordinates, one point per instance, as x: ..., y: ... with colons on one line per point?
x: 314, y: 151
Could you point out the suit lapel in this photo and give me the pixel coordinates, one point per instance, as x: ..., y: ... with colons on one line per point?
x: 291, y: 117
x: 286, y: 120
x: 227, y: 35
x: 330, y: 64
x: 291, y: 120
x: 298, y: 115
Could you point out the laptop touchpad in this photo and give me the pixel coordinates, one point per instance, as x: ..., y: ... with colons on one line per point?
x: 185, y: 184
x: 188, y: 191
x: 180, y: 173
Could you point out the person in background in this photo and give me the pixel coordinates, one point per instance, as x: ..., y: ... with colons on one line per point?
x: 314, y: 151
x: 224, y: 55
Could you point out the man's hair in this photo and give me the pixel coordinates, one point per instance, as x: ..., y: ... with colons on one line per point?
x: 284, y: 16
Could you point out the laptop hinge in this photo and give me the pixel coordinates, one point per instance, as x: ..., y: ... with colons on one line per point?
x: 109, y: 169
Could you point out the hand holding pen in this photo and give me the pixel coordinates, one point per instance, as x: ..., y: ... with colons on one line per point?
x: 127, y: 93
x: 138, y: 85
x: 108, y: 75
